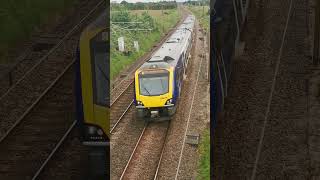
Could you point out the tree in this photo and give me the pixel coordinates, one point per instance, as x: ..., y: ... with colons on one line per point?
x: 124, y: 2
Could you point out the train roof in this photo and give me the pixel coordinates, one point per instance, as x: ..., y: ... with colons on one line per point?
x: 169, y: 53
x: 188, y: 23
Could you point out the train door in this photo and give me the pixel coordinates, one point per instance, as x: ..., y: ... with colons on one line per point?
x: 180, y: 68
x: 185, y: 64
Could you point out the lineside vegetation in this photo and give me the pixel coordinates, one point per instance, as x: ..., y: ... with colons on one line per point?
x: 202, y: 14
x: 143, y: 5
x: 19, y: 18
x: 204, y: 162
x: 157, y: 21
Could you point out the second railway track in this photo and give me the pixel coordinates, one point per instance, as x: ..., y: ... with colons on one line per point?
x: 18, y: 99
x: 29, y: 144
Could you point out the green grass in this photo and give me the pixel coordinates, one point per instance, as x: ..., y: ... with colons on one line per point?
x: 201, y: 13
x: 146, y: 40
x: 204, y: 150
x: 18, y: 18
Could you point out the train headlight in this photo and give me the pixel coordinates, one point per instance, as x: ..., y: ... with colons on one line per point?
x: 139, y: 103
x: 92, y: 130
x: 100, y: 132
x: 94, y: 134
x: 169, y: 102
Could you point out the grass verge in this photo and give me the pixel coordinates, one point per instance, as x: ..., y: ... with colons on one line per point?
x: 204, y: 151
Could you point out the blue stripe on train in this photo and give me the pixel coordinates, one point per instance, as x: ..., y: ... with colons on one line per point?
x: 78, y: 93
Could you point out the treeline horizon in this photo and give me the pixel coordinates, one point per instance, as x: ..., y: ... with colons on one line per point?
x: 144, y: 5
x: 196, y: 3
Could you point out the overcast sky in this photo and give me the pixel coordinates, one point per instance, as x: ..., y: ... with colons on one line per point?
x: 133, y: 1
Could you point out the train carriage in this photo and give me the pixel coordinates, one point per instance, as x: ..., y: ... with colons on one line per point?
x: 92, y: 93
x: 158, y: 81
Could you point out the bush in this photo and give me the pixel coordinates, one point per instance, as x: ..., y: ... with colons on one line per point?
x: 147, y: 20
x: 120, y: 16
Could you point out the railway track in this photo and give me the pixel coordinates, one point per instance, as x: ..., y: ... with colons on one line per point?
x: 271, y: 96
x: 35, y: 139
x: 147, y: 152
x: 28, y: 89
x: 287, y: 104
x: 121, y: 105
x: 69, y: 162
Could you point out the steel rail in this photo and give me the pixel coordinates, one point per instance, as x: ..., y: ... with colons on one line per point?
x: 125, y: 89
x: 272, y: 89
x: 64, y: 137
x: 161, y: 155
x: 120, y: 118
x: 133, y: 152
x: 35, y: 102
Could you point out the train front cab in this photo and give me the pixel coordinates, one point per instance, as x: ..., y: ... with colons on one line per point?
x: 93, y: 98
x: 154, y: 98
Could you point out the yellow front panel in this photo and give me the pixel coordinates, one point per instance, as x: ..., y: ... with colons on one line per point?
x: 86, y: 77
x: 101, y: 115
x: 154, y: 101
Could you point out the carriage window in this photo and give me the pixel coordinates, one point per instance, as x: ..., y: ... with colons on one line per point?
x: 100, y: 69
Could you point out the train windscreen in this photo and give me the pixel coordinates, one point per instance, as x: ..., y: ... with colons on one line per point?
x: 100, y: 69
x: 154, y: 83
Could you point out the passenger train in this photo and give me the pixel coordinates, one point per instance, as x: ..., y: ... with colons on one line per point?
x: 159, y: 80
x: 92, y: 94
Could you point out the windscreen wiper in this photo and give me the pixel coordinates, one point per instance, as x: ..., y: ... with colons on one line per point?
x: 162, y: 84
x: 103, y: 74
x: 146, y: 89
